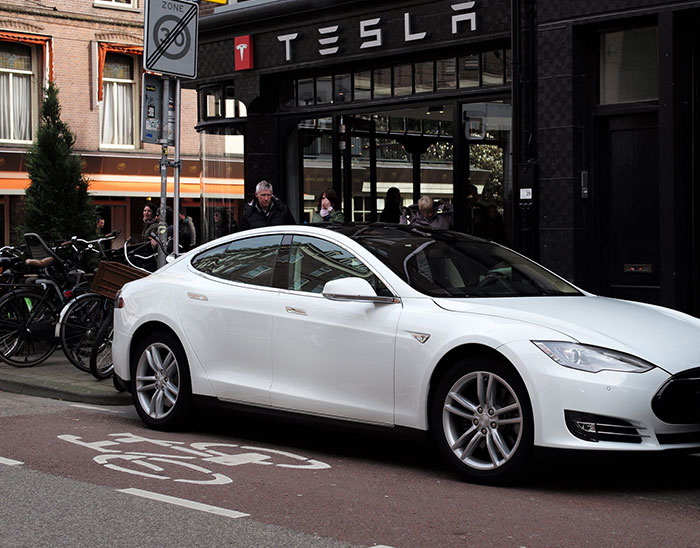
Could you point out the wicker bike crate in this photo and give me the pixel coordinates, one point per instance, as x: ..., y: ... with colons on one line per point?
x: 111, y: 276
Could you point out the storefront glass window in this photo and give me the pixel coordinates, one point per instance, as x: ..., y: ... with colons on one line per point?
x: 306, y: 92
x: 446, y: 73
x: 403, y: 80
x: 382, y: 83
x: 469, y: 71
x: 343, y: 88
x: 629, y: 66
x: 222, y: 182
x: 488, y: 128
x: 213, y: 103
x: 493, y: 68
x: 324, y: 90
x: 363, y: 86
x: 424, y: 77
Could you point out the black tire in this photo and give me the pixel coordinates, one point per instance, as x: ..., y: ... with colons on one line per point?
x: 481, y: 421
x: 101, y: 364
x: 160, y: 382
x: 79, y: 326
x: 27, y: 326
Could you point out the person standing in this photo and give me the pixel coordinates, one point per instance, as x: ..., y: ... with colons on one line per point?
x: 265, y: 209
x: 150, y: 221
x: 189, y: 226
x: 328, y: 209
x: 392, y: 206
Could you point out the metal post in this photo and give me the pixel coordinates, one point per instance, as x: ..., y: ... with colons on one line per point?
x: 176, y: 172
x: 162, y: 224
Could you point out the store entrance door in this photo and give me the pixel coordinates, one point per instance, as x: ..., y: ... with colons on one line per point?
x: 358, y: 146
x: 629, y: 242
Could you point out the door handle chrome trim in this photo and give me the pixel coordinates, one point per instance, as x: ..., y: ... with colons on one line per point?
x: 297, y: 311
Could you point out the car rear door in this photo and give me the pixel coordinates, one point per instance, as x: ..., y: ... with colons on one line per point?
x: 228, y: 316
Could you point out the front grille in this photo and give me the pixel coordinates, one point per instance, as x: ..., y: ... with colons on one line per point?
x: 595, y: 428
x: 678, y: 400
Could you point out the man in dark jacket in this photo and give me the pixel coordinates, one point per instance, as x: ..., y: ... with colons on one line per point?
x: 265, y: 209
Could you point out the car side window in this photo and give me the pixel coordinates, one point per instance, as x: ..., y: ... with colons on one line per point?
x: 249, y: 260
x: 314, y: 261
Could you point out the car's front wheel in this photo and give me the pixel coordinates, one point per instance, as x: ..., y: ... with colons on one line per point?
x: 481, y: 419
x: 161, y: 382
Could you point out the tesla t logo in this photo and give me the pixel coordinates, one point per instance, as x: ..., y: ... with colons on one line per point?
x: 244, y: 52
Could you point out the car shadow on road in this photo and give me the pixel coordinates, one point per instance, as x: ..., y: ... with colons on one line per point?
x: 614, y: 472
x: 591, y: 472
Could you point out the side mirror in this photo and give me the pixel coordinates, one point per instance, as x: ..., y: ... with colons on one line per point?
x: 354, y: 290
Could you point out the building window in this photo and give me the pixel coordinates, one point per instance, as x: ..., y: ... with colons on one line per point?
x: 382, y: 83
x: 493, y: 68
x: 117, y: 106
x: 15, y: 92
x: 363, y: 86
x: 343, y: 88
x: 469, y: 71
x: 480, y: 70
x: 116, y: 3
x: 629, y: 66
x: 425, y: 80
x: 403, y: 80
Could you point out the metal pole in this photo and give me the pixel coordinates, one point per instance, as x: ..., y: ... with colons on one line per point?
x: 162, y: 224
x: 176, y: 173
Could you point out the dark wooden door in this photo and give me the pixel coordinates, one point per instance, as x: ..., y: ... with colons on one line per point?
x: 629, y: 235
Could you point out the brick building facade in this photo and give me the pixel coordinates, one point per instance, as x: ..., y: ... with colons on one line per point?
x: 92, y: 49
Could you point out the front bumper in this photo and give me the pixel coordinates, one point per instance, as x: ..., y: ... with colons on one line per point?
x: 614, y: 400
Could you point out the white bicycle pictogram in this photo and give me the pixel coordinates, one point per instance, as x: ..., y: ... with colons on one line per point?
x: 186, y: 458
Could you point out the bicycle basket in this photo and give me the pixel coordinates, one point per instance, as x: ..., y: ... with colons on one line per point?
x: 111, y: 276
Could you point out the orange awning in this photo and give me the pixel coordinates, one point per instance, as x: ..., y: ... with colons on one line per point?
x: 133, y: 186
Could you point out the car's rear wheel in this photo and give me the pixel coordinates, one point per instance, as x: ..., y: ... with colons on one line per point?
x: 481, y: 419
x: 160, y: 382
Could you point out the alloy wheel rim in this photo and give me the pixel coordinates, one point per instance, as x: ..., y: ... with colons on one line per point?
x: 482, y: 420
x: 157, y: 381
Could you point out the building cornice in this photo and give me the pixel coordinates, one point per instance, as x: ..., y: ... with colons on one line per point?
x: 55, y: 13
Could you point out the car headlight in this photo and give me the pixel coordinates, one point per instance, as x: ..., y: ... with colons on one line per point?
x: 592, y: 358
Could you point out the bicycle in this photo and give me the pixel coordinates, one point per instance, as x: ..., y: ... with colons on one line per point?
x: 101, y: 365
x: 82, y: 318
x: 29, y: 313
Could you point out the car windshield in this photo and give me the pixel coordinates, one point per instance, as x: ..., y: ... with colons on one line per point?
x: 451, y: 264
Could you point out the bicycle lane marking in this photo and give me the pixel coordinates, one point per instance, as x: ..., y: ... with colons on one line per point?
x: 10, y: 462
x: 184, y: 503
x: 148, y: 464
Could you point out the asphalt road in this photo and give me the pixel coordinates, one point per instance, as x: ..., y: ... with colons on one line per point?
x: 74, y: 475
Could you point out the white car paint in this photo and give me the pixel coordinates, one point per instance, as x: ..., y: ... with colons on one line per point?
x: 360, y: 361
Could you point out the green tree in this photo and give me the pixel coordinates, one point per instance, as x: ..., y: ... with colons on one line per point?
x: 57, y: 205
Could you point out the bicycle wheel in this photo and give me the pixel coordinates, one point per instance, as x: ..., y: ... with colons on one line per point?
x: 80, y: 320
x: 27, y: 325
x: 101, y: 364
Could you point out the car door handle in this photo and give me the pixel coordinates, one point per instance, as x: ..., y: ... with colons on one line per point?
x: 297, y: 311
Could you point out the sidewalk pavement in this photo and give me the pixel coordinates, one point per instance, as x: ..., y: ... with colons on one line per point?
x: 57, y: 378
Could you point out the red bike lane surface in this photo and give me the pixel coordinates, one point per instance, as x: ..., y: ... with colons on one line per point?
x: 364, y: 497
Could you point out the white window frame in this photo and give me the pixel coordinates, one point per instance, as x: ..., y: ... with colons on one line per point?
x: 115, y: 4
x: 135, y: 99
x: 34, y: 100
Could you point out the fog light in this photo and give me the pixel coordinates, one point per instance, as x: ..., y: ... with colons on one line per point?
x: 582, y: 425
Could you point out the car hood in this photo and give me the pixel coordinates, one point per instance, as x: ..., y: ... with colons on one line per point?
x: 664, y: 337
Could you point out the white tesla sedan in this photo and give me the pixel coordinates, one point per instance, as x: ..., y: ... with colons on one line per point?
x: 400, y: 326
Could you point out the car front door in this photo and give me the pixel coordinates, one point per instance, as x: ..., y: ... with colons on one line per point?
x: 332, y: 358
x: 228, y: 317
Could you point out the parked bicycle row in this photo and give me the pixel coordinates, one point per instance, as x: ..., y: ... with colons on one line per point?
x: 63, y: 296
